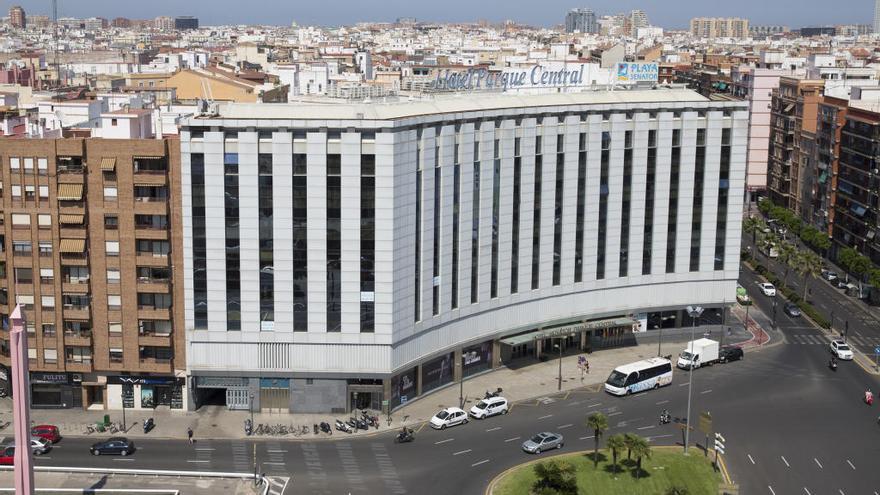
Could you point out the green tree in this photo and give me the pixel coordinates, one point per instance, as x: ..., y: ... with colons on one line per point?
x: 809, y: 265
x: 555, y: 478
x: 597, y: 422
x: 677, y: 490
x: 629, y: 440
x: 641, y: 449
x: 754, y: 225
x: 765, y: 205
x: 615, y: 443
x: 788, y: 257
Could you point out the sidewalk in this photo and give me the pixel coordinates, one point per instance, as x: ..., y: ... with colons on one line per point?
x: 529, y: 381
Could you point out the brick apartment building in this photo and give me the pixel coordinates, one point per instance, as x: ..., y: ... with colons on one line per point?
x: 90, y: 235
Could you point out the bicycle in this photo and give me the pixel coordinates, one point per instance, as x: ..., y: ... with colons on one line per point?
x: 260, y: 430
x: 113, y: 428
x: 89, y: 429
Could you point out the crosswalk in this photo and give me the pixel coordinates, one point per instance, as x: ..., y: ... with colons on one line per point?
x: 277, y: 484
x: 814, y: 339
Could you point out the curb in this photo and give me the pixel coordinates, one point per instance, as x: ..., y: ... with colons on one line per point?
x: 491, y: 486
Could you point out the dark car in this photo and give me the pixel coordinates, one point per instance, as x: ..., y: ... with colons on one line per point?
x: 116, y: 445
x: 49, y: 432
x: 791, y: 309
x: 7, y: 455
x: 730, y: 353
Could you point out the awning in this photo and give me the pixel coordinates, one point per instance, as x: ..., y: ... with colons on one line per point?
x: 70, y: 192
x: 545, y: 333
x: 71, y: 219
x: 76, y: 246
x: 108, y: 164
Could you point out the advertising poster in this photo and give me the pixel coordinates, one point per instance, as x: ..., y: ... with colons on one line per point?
x: 437, y: 372
x: 477, y: 358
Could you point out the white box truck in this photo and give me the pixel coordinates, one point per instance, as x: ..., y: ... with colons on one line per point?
x: 700, y: 352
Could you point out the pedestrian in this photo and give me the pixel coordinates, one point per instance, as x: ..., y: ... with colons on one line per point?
x: 189, y: 434
x: 587, y: 365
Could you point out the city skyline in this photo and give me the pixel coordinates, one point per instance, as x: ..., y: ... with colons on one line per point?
x: 552, y: 13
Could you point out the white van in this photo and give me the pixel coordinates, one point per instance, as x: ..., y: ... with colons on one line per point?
x: 489, y: 407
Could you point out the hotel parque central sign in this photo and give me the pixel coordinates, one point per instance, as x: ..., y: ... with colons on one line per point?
x: 531, y: 77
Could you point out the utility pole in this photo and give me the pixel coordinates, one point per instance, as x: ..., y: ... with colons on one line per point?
x: 694, y: 312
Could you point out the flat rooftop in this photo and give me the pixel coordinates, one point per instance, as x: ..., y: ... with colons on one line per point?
x: 446, y: 104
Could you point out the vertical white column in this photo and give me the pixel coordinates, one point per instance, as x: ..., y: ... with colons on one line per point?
x: 548, y: 200
x: 350, y: 230
x: 215, y: 229
x: 401, y: 157
x: 689, y: 125
x: 662, y: 185
x: 466, y: 212
x: 487, y: 135
x: 505, y: 209
x: 316, y: 229
x: 735, y: 195
x: 569, y: 202
x: 637, y: 194
x: 592, y: 192
x: 282, y: 221
x: 527, y: 204
x: 249, y: 231
x: 427, y: 258
x: 446, y: 161
x: 385, y: 225
x: 615, y: 196
x: 711, y: 177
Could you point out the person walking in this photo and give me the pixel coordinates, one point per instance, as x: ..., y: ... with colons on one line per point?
x: 189, y: 434
x: 587, y: 366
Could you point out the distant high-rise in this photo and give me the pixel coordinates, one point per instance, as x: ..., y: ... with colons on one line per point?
x: 582, y: 21
x: 164, y: 23
x: 186, y: 22
x: 637, y: 19
x: 720, y: 27
x: 877, y: 16
x: 121, y: 22
x: 17, y: 17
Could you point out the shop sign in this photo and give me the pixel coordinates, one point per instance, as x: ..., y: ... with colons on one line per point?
x: 48, y: 377
x: 637, y: 72
x: 144, y: 380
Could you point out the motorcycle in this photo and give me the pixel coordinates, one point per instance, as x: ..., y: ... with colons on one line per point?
x: 371, y: 420
x: 833, y: 365
x: 407, y: 435
x: 325, y: 427
x: 665, y: 418
x: 148, y: 425
x: 869, y: 397
x: 496, y: 393
x: 362, y: 424
x: 344, y: 427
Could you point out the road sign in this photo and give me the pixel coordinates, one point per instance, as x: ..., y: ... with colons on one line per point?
x: 706, y: 422
x: 719, y: 443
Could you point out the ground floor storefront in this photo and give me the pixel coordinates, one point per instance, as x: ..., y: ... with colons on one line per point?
x: 102, y: 392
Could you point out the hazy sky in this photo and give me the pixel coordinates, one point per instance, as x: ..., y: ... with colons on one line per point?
x: 668, y: 13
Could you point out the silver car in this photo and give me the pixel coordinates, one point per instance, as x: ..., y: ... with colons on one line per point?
x: 543, y: 441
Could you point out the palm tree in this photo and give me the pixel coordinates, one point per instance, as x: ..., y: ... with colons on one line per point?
x: 597, y: 422
x: 753, y: 225
x: 809, y: 266
x: 615, y: 443
x: 630, y: 439
x: 788, y: 257
x: 641, y: 449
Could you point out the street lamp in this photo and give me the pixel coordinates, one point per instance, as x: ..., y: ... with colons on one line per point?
x: 774, y: 314
x: 694, y: 312
x: 559, y: 381
x: 251, y: 407
x: 461, y: 382
x: 124, y: 423
x: 660, y: 337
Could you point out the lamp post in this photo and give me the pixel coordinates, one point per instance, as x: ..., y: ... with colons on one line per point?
x: 461, y: 382
x: 559, y: 381
x: 694, y: 312
x: 660, y: 337
x: 251, y: 407
x: 124, y: 423
x: 774, y: 314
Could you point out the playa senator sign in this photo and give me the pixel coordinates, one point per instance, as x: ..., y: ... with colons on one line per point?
x: 531, y: 77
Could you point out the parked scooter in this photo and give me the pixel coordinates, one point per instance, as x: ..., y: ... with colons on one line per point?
x: 148, y: 425
x: 665, y: 418
x: 405, y: 435
x: 341, y: 426
x: 496, y: 393
x: 325, y: 427
x: 371, y: 420
x: 869, y: 397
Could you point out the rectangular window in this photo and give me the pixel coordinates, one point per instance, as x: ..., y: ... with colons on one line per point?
x: 24, y: 276
x: 456, y: 218
x: 44, y: 192
x: 697, y: 219
x: 517, y: 196
x: 21, y: 219
x: 44, y: 220
x: 116, y: 355
x: 496, y: 211
x: 438, y: 190
x: 47, y: 275
x: 334, y: 243
x: 113, y: 275
x: 475, y: 226
x: 110, y: 193
x: 50, y: 356
x: 649, y: 202
x: 111, y: 248
x: 233, y: 242
x: 536, y: 215
x: 47, y: 302
x: 78, y: 355
x: 603, y: 205
x: 16, y: 191
x: 48, y: 330
x: 623, y: 268
x: 581, y: 205
x: 45, y: 248
x: 417, y: 303
x: 42, y: 166
x: 199, y: 253
x: 21, y: 248
x: 114, y: 303
x: 723, y: 194
x: 300, y: 245
x: 267, y: 269
x: 14, y: 163
x: 111, y: 222
x: 557, y: 209
x: 368, y: 243
x: 672, y: 218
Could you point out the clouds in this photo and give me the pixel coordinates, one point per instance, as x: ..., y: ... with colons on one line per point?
x: 666, y: 13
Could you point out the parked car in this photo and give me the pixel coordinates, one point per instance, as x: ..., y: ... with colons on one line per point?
x: 489, y: 407
x: 730, y: 353
x: 49, y: 432
x: 840, y: 349
x: 829, y: 275
x: 7, y: 456
x: 115, y: 445
x: 450, y: 416
x: 543, y: 441
x: 792, y: 309
x: 40, y: 446
x: 768, y: 289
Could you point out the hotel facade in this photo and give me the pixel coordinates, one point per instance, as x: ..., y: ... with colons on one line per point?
x: 362, y: 255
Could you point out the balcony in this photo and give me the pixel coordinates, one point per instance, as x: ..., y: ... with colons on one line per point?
x: 149, y: 259
x: 152, y: 207
x: 154, y: 365
x: 155, y: 286
x: 73, y: 232
x: 70, y: 287
x: 78, y: 367
x: 153, y: 313
x: 151, y: 233
x: 72, y: 312
x: 150, y: 177
x: 79, y: 339
x: 154, y: 340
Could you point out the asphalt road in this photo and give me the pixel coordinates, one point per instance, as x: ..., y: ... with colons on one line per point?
x: 792, y: 426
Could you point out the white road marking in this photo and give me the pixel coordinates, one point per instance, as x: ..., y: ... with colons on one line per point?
x: 807, y: 491
x: 785, y: 461
x: 444, y: 441
x: 683, y: 384
x: 461, y: 452
x: 493, y: 429
x: 574, y: 403
x: 851, y: 465
x: 274, y: 451
x: 658, y: 436
x: 129, y: 460
x: 663, y: 402
x: 645, y: 427
x: 771, y: 489
x: 615, y: 413
x: 706, y: 391
x: 841, y: 491
x: 750, y: 458
x: 484, y: 461
x: 273, y: 463
x: 195, y: 460
x: 569, y: 425
x: 594, y: 405
x: 204, y: 448
x: 584, y: 438
x: 546, y: 416
x: 818, y: 463
x: 512, y: 439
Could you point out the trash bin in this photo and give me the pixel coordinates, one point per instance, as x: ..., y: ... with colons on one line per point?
x: 106, y: 420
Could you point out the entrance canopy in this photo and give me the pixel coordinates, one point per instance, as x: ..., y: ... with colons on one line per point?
x: 564, y: 330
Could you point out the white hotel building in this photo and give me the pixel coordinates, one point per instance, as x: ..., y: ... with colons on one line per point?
x: 342, y: 255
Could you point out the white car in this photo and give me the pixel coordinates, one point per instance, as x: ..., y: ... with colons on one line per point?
x: 489, y: 407
x: 450, y: 416
x: 840, y: 349
x: 768, y: 289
